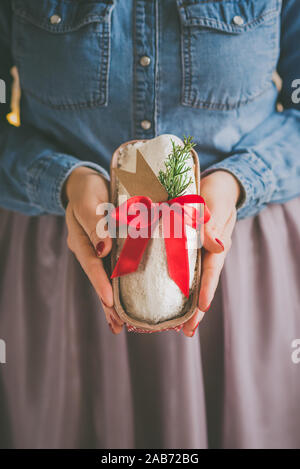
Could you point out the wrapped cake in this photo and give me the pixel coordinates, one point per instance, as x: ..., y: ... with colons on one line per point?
x: 156, y: 273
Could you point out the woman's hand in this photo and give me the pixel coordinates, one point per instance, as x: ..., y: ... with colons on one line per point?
x: 85, y: 189
x: 221, y: 192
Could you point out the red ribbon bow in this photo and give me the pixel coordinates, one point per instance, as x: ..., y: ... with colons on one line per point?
x: 180, y: 214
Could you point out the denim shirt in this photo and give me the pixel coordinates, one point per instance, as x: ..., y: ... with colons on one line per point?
x: 97, y: 73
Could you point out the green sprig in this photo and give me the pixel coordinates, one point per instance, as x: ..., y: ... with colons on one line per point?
x: 175, y: 178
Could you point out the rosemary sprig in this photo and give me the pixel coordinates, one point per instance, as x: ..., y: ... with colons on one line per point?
x: 175, y: 178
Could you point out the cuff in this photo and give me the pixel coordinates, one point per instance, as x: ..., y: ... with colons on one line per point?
x: 46, y: 178
x: 255, y: 177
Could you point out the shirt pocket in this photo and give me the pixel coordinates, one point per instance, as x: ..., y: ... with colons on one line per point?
x: 229, y: 50
x: 62, y: 51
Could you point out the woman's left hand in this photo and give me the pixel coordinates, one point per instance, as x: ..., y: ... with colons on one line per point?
x: 221, y: 192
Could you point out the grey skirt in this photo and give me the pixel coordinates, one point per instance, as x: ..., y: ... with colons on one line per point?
x: 69, y: 383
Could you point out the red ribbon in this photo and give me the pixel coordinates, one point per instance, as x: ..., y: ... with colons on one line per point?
x: 180, y: 215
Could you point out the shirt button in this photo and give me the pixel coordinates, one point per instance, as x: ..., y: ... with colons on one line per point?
x: 238, y: 20
x: 145, y: 61
x: 146, y: 125
x: 55, y: 19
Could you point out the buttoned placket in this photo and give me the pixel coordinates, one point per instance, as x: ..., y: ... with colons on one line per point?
x: 145, y: 68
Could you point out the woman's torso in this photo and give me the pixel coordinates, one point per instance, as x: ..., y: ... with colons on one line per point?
x: 95, y: 74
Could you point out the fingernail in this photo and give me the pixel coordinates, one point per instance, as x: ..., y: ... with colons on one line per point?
x: 207, y: 308
x: 99, y: 248
x: 206, y: 214
x: 220, y: 243
x: 194, y: 330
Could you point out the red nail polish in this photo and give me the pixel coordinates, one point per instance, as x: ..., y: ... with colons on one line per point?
x: 205, y: 311
x: 194, y: 330
x: 220, y: 243
x: 206, y: 214
x: 99, y: 248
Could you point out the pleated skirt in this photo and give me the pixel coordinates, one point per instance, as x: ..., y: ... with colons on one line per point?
x: 69, y: 383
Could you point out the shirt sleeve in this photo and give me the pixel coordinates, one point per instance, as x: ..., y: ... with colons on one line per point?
x: 32, y: 168
x: 267, y: 161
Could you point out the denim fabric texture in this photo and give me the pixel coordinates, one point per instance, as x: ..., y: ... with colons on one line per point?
x: 85, y: 90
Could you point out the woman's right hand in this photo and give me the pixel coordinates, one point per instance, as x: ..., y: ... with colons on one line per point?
x: 84, y: 190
